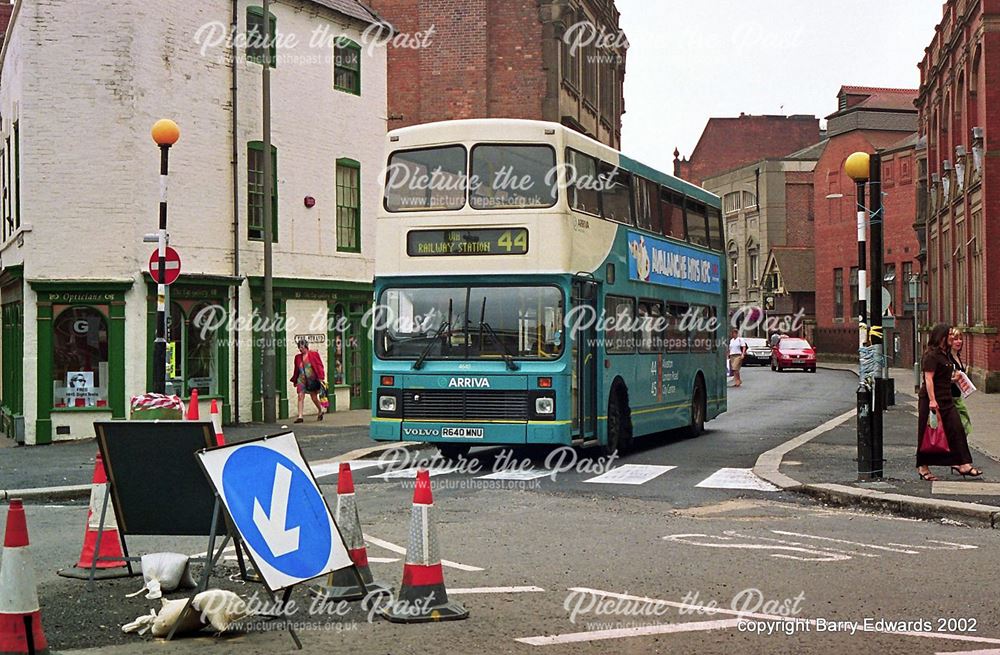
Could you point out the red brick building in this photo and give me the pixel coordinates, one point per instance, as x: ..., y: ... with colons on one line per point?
x: 551, y: 60
x: 729, y: 143
x: 959, y: 105
x: 867, y: 119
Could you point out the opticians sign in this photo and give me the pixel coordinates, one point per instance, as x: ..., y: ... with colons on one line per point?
x: 661, y: 262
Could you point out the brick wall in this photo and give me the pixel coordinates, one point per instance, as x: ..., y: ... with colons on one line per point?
x: 800, y: 208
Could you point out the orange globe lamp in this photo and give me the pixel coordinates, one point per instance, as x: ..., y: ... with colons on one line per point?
x: 857, y: 166
x: 165, y: 132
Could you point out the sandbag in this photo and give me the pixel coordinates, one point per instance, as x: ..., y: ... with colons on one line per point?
x: 162, y: 622
x: 220, y: 608
x: 164, y: 572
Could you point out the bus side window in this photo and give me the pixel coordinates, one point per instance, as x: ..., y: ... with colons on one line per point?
x: 703, y: 340
x: 671, y: 214
x: 647, y: 214
x: 616, y: 194
x: 582, y: 182
x: 697, y: 223
x: 716, y: 238
x: 651, y: 326
x: 620, y: 314
x: 676, y: 340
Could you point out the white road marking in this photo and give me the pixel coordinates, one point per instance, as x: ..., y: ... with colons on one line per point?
x: 227, y: 549
x: 820, y: 555
x: 606, y: 634
x: 412, y: 472
x: 619, y: 633
x: 333, y: 468
x: 493, y: 590
x: 991, y: 651
x: 732, y: 478
x: 383, y: 560
x: 851, y: 543
x: 516, y: 474
x: 388, y: 545
x: 947, y: 545
x: 828, y: 549
x: 631, y: 474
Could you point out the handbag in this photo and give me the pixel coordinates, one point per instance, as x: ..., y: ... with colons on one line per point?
x: 324, y: 396
x: 935, y: 441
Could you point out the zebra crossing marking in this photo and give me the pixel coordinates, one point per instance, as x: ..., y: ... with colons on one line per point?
x: 732, y: 478
x: 633, y: 474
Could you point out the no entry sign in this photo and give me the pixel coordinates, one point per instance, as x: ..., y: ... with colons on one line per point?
x: 172, y: 266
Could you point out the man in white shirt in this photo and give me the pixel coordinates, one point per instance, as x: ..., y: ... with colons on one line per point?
x: 737, y: 349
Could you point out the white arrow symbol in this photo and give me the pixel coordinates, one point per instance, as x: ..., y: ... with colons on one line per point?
x: 279, y: 540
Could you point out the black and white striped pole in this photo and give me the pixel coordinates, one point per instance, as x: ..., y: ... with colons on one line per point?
x: 165, y: 133
x: 857, y: 168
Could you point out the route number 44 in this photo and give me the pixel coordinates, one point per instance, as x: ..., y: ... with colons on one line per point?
x: 508, y: 241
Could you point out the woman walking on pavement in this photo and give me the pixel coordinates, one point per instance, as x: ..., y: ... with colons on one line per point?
x: 955, y: 355
x: 935, y: 396
x: 306, y: 378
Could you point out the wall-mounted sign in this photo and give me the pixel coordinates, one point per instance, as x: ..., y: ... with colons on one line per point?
x: 442, y: 243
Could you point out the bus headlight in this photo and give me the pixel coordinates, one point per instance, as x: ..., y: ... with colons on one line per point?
x: 545, y: 405
x: 387, y: 404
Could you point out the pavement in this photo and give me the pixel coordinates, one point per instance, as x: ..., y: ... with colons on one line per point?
x: 822, y: 463
x: 64, y: 470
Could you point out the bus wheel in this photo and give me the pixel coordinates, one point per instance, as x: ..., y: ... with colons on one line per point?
x: 453, y: 451
x: 698, y: 402
x: 619, y: 424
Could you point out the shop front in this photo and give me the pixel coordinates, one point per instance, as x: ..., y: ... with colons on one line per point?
x: 329, y: 317
x: 80, y: 365
x: 12, y: 353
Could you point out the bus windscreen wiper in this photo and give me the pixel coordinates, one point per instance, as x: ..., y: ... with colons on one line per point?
x: 508, y: 356
x: 419, y: 363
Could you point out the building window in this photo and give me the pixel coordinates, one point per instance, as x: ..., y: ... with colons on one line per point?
x: 838, y: 293
x: 348, y: 205
x: 17, y: 176
x: 347, y: 66
x: 590, y: 75
x: 734, y: 270
x: 749, y: 201
x: 607, y: 70
x: 193, y: 348
x: 754, y: 271
x: 339, y: 346
x: 731, y: 203
x: 907, y: 276
x: 80, y: 358
x: 257, y: 48
x: 977, y: 300
x: 255, y: 191
x: 570, y: 61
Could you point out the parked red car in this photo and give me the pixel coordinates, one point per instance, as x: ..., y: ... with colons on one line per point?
x: 792, y: 352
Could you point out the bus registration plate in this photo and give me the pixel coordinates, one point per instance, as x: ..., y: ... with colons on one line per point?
x: 466, y: 433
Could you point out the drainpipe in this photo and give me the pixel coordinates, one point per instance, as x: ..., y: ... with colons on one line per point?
x: 234, y: 335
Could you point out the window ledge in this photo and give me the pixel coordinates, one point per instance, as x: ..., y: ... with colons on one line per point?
x: 69, y: 410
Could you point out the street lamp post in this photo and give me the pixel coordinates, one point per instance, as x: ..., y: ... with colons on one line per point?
x: 165, y: 133
x: 269, y: 364
x: 875, y: 206
x: 857, y: 168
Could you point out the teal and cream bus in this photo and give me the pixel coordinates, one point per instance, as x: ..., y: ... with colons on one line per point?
x: 534, y: 286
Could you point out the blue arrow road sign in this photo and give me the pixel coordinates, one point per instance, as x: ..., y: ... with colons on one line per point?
x: 278, y: 510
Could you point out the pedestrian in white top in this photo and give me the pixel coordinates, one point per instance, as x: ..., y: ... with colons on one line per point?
x: 737, y: 350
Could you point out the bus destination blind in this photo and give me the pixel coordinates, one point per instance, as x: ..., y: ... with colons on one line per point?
x: 443, y: 243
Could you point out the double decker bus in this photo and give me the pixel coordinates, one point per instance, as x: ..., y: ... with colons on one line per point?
x: 534, y: 286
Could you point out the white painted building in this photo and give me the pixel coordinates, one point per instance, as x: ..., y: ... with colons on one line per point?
x: 81, y: 84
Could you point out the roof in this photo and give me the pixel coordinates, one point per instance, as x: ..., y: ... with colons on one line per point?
x: 910, y: 141
x: 815, y: 151
x: 352, y: 8
x: 869, y: 90
x: 878, y: 98
x: 797, y: 266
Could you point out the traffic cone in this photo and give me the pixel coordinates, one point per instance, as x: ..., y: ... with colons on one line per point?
x: 20, y: 613
x: 422, y: 596
x: 110, y: 547
x: 344, y: 584
x: 220, y: 439
x: 192, y: 414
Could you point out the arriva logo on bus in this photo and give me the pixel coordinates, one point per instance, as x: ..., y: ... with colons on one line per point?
x: 469, y: 383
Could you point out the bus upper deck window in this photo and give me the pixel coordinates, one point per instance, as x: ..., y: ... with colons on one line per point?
x: 513, y: 176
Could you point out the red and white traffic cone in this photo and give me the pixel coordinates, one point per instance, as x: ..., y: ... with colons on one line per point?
x: 20, y: 614
x: 220, y: 439
x: 422, y: 596
x: 344, y: 584
x: 108, y: 565
x: 193, y: 414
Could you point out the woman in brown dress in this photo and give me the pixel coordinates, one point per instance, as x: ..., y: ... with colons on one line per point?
x: 935, y: 396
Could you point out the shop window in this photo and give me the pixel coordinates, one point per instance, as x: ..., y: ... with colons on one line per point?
x: 80, y: 358
x: 838, y: 293
x: 193, y: 349
x: 347, y: 66
x: 339, y: 347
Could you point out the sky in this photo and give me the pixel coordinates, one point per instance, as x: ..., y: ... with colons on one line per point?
x: 689, y: 61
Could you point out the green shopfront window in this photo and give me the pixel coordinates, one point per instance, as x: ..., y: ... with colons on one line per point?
x: 193, y: 348
x: 463, y: 322
x: 80, y: 357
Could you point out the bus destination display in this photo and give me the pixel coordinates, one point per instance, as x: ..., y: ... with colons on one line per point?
x: 434, y: 243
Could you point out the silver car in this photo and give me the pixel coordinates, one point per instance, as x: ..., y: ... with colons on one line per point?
x: 758, y: 352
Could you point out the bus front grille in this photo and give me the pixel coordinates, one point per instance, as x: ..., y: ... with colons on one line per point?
x: 463, y: 405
